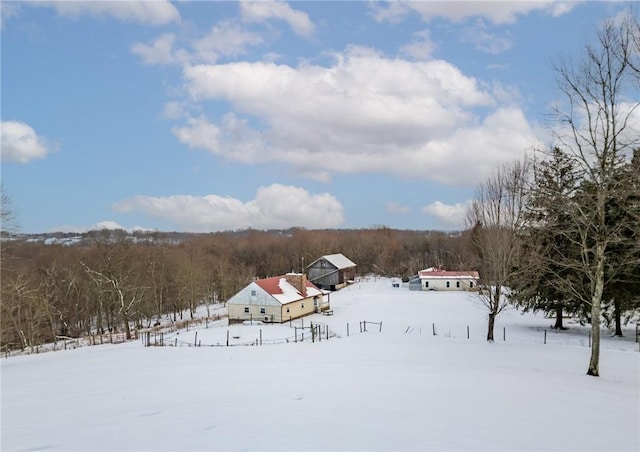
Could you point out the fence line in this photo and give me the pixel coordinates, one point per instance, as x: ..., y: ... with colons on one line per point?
x: 314, y: 332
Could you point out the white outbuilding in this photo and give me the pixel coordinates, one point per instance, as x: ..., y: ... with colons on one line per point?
x: 438, y: 279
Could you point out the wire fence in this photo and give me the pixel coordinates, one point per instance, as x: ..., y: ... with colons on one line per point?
x: 313, y: 332
x: 301, y: 331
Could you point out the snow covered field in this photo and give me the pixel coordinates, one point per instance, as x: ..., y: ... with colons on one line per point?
x: 401, y: 388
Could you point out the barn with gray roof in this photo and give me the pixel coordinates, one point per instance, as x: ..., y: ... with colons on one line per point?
x: 331, y: 272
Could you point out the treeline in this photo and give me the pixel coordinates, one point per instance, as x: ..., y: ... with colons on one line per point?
x: 114, y: 281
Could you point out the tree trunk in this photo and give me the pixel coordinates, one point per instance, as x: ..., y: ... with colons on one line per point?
x: 617, y: 315
x: 558, y: 324
x: 596, y: 300
x: 127, y: 329
x: 492, y: 321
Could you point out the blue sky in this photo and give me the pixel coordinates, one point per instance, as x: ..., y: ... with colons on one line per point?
x: 210, y: 116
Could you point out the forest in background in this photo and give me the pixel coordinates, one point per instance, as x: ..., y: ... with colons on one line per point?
x: 112, y: 281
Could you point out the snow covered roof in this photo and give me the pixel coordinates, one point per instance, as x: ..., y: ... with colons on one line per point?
x: 337, y: 260
x: 284, y: 292
x: 431, y: 273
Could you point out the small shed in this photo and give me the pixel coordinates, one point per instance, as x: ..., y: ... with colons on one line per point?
x: 331, y: 272
x: 438, y: 279
x: 277, y: 299
x: 415, y: 283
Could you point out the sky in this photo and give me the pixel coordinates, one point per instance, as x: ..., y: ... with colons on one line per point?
x: 215, y: 116
x: 401, y: 388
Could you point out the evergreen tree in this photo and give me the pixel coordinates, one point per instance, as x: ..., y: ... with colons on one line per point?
x: 539, y: 284
x: 622, y: 288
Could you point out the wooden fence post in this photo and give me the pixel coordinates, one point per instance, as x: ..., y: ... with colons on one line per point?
x: 195, y: 341
x: 467, y: 331
x: 545, y: 336
x: 433, y: 328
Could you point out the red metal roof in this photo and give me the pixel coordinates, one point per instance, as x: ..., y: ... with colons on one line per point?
x: 273, y: 286
x: 439, y: 273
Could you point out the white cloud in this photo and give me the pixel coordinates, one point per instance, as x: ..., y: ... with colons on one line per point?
x: 421, y: 48
x: 559, y: 8
x: 450, y: 215
x: 226, y: 39
x: 174, y: 110
x: 150, y: 12
x: 485, y: 40
x: 7, y: 10
x: 275, y: 207
x: 20, y: 143
x: 107, y: 224
x: 391, y: 12
x: 394, y: 207
x: 498, y: 12
x: 264, y: 10
x: 160, y: 51
x: 233, y: 139
x: 364, y: 113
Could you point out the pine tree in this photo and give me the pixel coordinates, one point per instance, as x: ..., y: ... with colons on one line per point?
x: 548, y: 240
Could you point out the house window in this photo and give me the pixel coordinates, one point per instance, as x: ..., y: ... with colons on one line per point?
x: 287, y: 310
x: 253, y: 293
x: 426, y: 284
x: 263, y: 310
x: 471, y: 284
x: 246, y: 309
x: 448, y: 284
x: 458, y: 284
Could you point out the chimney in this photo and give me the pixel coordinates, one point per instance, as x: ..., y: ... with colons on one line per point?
x: 299, y: 281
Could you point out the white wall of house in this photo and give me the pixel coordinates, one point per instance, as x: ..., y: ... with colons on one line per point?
x: 254, y: 298
x: 448, y: 283
x: 298, y: 308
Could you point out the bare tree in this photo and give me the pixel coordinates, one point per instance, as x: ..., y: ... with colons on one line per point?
x: 120, y: 277
x: 8, y: 215
x: 495, y: 218
x: 598, y: 124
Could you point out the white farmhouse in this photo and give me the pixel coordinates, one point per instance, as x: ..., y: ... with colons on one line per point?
x: 277, y: 299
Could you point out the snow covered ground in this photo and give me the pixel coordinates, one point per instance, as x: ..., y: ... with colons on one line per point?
x: 401, y: 388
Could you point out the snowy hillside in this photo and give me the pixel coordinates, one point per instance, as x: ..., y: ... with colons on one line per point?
x: 394, y: 387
